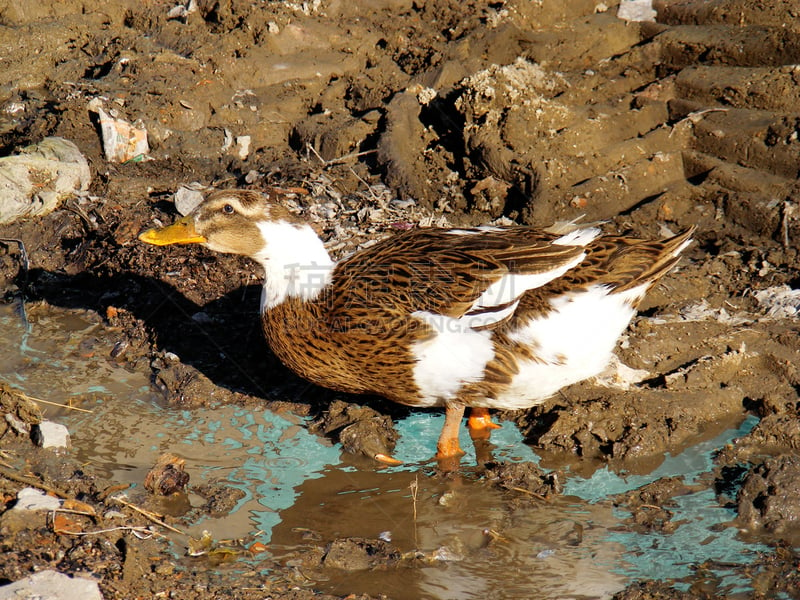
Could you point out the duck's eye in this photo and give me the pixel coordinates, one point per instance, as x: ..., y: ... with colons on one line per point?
x: 227, y: 209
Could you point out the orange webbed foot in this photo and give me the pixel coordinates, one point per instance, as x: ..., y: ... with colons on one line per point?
x: 480, y: 424
x: 387, y: 459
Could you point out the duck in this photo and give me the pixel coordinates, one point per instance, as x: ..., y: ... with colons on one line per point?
x: 480, y: 317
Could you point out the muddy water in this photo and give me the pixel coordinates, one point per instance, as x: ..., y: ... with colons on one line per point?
x: 302, y: 493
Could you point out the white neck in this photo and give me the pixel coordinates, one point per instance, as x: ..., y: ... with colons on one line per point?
x: 295, y: 261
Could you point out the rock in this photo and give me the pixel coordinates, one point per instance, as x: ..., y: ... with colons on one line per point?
x: 35, y: 181
x: 188, y: 197
x: 51, y: 585
x: 50, y: 435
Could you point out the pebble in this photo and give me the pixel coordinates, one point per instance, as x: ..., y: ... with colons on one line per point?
x: 51, y: 585
x: 50, y: 435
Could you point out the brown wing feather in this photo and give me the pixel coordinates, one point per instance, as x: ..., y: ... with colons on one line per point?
x: 621, y: 263
x: 440, y: 272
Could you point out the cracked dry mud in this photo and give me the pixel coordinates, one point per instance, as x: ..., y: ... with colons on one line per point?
x: 399, y: 113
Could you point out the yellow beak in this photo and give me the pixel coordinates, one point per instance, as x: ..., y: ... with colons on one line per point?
x: 181, y: 231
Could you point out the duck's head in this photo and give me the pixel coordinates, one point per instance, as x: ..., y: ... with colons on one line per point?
x: 254, y: 224
x: 229, y: 221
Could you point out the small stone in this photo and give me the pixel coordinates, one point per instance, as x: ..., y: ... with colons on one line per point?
x: 50, y: 435
x: 188, y: 197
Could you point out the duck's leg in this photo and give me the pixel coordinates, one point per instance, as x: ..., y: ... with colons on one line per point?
x: 480, y: 423
x: 448, y: 446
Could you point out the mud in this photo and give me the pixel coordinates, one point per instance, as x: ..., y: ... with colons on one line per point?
x: 382, y: 117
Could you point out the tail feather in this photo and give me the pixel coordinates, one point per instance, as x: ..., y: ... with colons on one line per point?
x: 655, y: 259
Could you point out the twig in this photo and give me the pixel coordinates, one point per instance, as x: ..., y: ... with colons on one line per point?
x: 530, y: 493
x: 341, y: 159
x: 140, y: 530
x: 314, y: 150
x: 788, y: 212
x: 32, y: 482
x: 146, y: 513
x: 32, y: 399
x: 414, y: 487
x: 369, y: 188
x: 346, y: 157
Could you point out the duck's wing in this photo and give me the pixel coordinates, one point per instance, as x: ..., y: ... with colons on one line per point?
x: 476, y: 276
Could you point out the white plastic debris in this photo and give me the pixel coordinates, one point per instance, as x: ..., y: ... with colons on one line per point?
x: 780, y: 302
x: 636, y: 10
x: 50, y: 435
x: 122, y: 141
x: 32, y: 499
x: 445, y: 554
x: 619, y: 375
x: 227, y: 142
x: 181, y: 11
x: 243, y: 146
x: 51, y: 585
x: 703, y: 311
x: 35, y: 181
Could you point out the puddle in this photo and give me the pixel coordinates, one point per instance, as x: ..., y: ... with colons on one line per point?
x: 296, y: 485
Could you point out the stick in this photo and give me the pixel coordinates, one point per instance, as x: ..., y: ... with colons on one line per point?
x: 145, y: 513
x: 32, y: 482
x: 32, y: 399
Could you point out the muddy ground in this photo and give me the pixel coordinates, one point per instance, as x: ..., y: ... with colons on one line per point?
x: 398, y: 113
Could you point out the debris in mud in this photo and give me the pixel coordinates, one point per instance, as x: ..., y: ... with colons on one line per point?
x: 649, y: 504
x: 361, y: 430
x: 358, y: 554
x: 33, y: 499
x: 47, y: 585
x: 770, y: 496
x: 167, y: 477
x: 780, y: 302
x: 19, y: 412
x: 122, y: 142
x: 524, y: 477
x: 36, y: 181
x: 657, y: 590
x: 206, y: 545
x: 220, y: 499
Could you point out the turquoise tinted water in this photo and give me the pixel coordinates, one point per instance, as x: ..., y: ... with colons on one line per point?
x: 291, y: 479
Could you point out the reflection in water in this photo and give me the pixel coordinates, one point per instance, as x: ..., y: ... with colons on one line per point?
x: 557, y: 549
x: 573, y: 547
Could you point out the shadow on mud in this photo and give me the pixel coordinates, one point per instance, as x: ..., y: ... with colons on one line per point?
x: 221, y: 339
